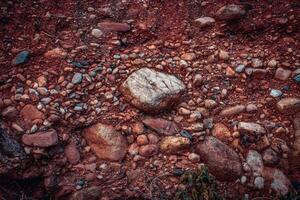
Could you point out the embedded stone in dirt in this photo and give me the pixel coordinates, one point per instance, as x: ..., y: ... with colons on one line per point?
x: 221, y: 132
x: 72, y: 153
x: 152, y: 91
x: 41, y: 139
x: 282, y: 74
x: 148, y: 150
x: 90, y: 193
x: 161, y: 126
x: 205, y: 21
x: 106, y: 142
x: 221, y: 160
x: 173, y: 144
x: 231, y: 12
x: 56, y: 53
x: 21, y: 58
x: 250, y: 127
x: 188, y: 56
x: 31, y: 115
x: 289, y: 105
x: 270, y: 157
x: 233, y: 110
x: 10, y: 112
x: 254, y: 160
x: 114, y: 26
x: 279, y: 182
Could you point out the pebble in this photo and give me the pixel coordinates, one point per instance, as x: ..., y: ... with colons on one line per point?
x: 142, y: 140
x: 251, y: 108
x: 259, y: 182
x: 97, y: 33
x: 194, y: 157
x: 10, y: 112
x: 21, y: 58
x: 205, y: 21
x: 276, y: 93
x: 282, y: 74
x: 231, y: 12
x: 240, y: 68
x: 256, y: 63
x: 77, y: 78
x: 223, y: 55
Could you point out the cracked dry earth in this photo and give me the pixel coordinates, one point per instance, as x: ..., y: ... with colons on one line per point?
x: 116, y: 99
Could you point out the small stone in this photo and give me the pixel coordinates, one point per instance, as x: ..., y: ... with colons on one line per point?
x: 243, y: 179
x: 289, y: 105
x: 77, y: 78
x: 233, y: 110
x: 153, y: 139
x: 205, y: 21
x: 276, y: 93
x: 21, y: 58
x: 173, y: 144
x: 55, y: 53
x: 148, y: 150
x: 221, y: 132
x: 142, y: 140
x: 256, y: 63
x: 10, y: 112
x: 282, y: 74
x: 240, y: 68
x: 114, y: 26
x: 259, y: 182
x: 41, y: 139
x: 279, y: 182
x: 138, y: 128
x: 297, y: 78
x: 198, y: 80
x: 272, y: 63
x: 194, y: 157
x: 72, y: 153
x: 230, y: 72
x: 161, y: 126
x: 97, y: 33
x: 254, y: 160
x: 270, y: 157
x: 231, y: 12
x: 250, y: 127
x: 42, y: 81
x: 223, y: 55
x: 209, y: 103
x: 208, y: 123
x: 251, y: 108
x: 188, y: 56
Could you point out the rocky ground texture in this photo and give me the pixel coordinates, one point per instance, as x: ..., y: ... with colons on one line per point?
x: 116, y: 99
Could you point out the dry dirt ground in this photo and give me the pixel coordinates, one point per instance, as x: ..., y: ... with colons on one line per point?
x: 162, y: 35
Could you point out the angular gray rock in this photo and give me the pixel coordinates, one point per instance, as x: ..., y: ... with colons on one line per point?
x: 254, y: 160
x: 152, y: 91
x: 250, y: 127
x: 221, y: 160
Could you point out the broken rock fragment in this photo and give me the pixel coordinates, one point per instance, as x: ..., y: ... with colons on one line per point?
x: 106, y: 142
x: 31, y: 115
x: 289, y: 105
x: 152, y: 91
x: 114, y: 26
x: 161, y: 126
x: 231, y: 12
x: 173, y: 144
x: 41, y: 139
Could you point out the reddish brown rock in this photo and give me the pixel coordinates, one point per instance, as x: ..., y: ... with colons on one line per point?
x: 289, y: 105
x: 221, y: 132
x: 90, y: 193
x: 233, y: 110
x: 161, y: 126
x: 72, y: 153
x: 148, y: 150
x: 55, y: 53
x: 173, y: 144
x: 31, y: 115
x: 41, y: 139
x: 106, y: 142
x: 10, y: 112
x: 221, y: 160
x: 114, y: 26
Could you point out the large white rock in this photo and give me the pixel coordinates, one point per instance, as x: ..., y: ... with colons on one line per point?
x: 152, y: 91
